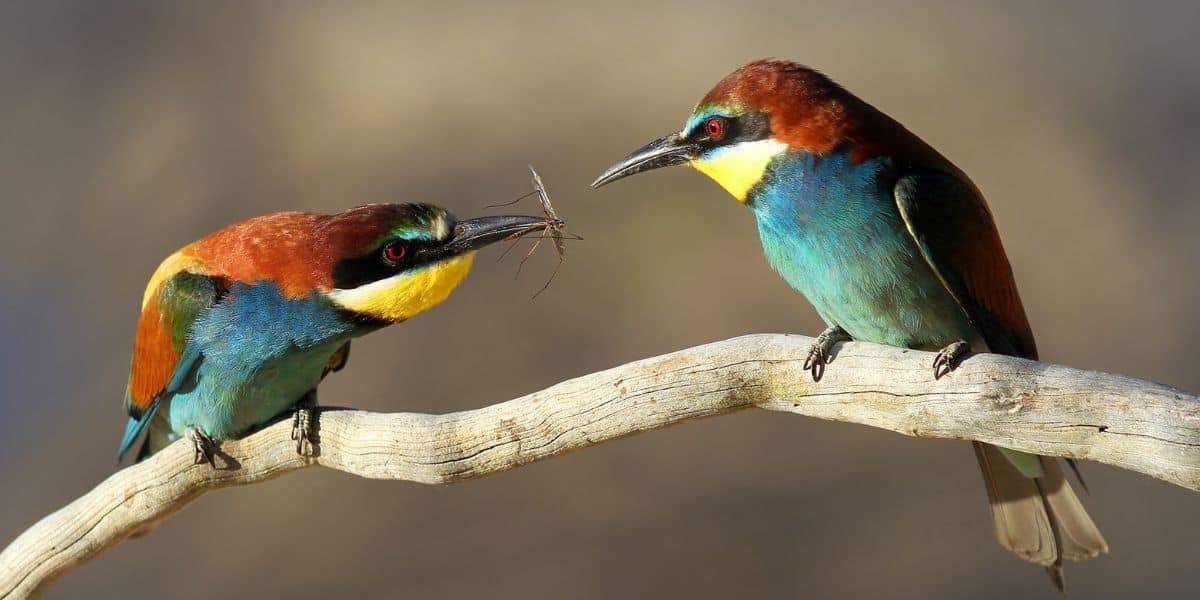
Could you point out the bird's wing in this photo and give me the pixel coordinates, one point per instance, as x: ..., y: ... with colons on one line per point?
x: 338, y: 361
x: 161, y: 356
x: 1035, y: 512
x: 953, y: 227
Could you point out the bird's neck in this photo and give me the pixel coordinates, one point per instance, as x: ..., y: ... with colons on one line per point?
x: 803, y: 184
x: 807, y: 201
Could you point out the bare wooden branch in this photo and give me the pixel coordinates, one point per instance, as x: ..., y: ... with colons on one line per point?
x: 1026, y: 405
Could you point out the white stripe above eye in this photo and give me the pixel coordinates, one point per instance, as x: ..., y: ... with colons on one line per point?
x: 441, y: 229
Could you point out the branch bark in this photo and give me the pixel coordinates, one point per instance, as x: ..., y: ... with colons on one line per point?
x: 1025, y: 405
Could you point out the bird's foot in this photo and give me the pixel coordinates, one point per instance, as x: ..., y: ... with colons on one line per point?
x: 821, y: 351
x: 948, y: 358
x: 203, y: 447
x: 304, y: 425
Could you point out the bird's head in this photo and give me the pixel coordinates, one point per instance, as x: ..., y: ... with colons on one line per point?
x: 389, y: 262
x: 752, y: 116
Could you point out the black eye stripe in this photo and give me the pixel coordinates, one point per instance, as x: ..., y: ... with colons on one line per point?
x: 749, y: 127
x: 378, y: 264
x: 354, y: 272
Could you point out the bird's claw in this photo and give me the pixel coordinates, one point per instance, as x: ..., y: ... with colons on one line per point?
x: 203, y: 447
x: 821, y: 351
x: 818, y: 357
x: 304, y: 429
x: 947, y: 358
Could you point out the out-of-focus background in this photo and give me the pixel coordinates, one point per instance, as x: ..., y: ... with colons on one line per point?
x: 128, y: 130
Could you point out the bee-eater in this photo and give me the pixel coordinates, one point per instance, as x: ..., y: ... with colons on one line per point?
x: 890, y: 242
x: 239, y: 327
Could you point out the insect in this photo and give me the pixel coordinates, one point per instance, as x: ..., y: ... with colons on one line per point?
x: 553, y: 228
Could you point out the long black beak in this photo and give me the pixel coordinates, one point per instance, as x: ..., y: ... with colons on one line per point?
x: 666, y: 151
x: 474, y: 234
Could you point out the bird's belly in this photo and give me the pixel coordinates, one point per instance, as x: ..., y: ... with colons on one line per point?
x: 873, y: 283
x: 229, y: 399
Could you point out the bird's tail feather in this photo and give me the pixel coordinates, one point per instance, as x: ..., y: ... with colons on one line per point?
x: 1039, y: 519
x: 134, y: 428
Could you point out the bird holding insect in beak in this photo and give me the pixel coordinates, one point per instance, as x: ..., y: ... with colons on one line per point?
x: 239, y: 327
x: 890, y: 242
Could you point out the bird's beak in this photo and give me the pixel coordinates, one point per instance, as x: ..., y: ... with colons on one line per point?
x: 473, y: 234
x: 666, y: 151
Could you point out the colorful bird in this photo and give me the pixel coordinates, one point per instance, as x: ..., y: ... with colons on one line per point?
x: 239, y: 327
x: 890, y: 242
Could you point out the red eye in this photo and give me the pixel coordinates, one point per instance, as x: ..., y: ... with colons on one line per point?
x: 394, y: 252
x: 715, y: 128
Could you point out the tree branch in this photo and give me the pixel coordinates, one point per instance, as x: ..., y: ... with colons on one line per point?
x: 1020, y: 404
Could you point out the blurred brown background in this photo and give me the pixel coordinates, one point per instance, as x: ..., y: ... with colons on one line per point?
x: 127, y: 130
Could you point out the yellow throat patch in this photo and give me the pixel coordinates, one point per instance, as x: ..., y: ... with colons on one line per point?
x: 738, y: 168
x: 405, y: 294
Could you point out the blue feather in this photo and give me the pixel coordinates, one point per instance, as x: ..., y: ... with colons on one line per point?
x: 831, y: 229
x: 248, y: 359
x: 134, y: 428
